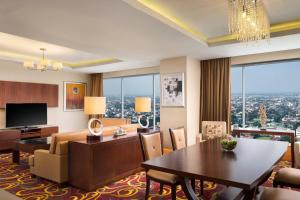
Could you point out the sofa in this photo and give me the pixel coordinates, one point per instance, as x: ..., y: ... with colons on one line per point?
x: 52, y: 164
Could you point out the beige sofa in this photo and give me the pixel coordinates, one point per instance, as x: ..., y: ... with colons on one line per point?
x: 52, y: 164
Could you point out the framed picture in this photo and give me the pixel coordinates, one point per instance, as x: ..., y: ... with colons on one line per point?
x: 74, y: 93
x: 173, y: 90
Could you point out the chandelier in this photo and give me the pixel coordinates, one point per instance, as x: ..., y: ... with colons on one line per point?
x: 44, y: 64
x: 248, y: 19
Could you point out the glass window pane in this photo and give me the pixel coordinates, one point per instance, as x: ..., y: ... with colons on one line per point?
x: 237, y: 97
x: 157, y: 99
x: 276, y: 86
x: 133, y: 87
x: 112, y: 92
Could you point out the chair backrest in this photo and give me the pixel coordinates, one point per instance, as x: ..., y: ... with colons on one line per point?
x: 177, y: 138
x: 151, y: 144
x: 115, y: 121
x: 213, y: 129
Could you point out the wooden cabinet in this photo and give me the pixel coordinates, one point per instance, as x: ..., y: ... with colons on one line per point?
x: 8, y: 136
x: 95, y: 164
x: 21, y: 92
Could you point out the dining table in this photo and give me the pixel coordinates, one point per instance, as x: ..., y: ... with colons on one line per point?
x: 245, y: 167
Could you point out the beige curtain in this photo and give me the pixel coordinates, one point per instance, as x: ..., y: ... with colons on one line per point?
x: 96, y: 89
x: 215, y: 91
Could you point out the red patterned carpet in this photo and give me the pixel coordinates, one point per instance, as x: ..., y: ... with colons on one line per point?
x: 16, y: 179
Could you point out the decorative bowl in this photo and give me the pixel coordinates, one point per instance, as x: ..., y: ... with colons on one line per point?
x: 228, y: 144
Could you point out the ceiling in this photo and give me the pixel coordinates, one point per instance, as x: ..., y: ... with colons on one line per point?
x: 110, y: 35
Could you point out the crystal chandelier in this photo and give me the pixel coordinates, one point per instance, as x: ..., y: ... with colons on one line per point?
x: 248, y: 19
x: 44, y: 64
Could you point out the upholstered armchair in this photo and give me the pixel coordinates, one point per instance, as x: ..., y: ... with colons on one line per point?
x: 211, y: 130
x: 52, y: 164
x: 152, y: 147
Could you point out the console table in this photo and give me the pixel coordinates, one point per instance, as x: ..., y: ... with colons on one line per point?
x: 95, y: 164
x: 289, y: 133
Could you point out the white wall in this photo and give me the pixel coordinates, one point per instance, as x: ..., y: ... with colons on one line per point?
x: 173, y: 117
x: 193, y: 99
x: 67, y: 121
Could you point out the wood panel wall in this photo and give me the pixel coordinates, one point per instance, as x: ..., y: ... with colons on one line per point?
x: 22, y: 92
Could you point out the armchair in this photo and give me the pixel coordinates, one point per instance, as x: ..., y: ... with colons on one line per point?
x: 52, y: 164
x: 211, y: 130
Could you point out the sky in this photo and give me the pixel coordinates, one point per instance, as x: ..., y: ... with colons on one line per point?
x: 281, y: 77
x: 133, y: 86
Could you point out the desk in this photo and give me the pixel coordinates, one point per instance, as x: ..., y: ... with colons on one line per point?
x: 245, y: 167
x: 289, y: 133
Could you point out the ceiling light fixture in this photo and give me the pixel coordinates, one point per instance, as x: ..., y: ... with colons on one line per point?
x: 44, y: 64
x: 248, y: 19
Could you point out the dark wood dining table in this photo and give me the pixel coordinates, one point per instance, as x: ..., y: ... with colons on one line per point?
x: 245, y: 167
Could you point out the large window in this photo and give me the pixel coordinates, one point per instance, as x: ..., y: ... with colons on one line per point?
x: 121, y: 93
x: 274, y: 85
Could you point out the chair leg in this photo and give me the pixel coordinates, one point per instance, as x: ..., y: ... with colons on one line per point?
x: 173, y: 192
x: 201, y: 187
x: 193, y: 183
x: 147, y: 188
x: 161, y: 188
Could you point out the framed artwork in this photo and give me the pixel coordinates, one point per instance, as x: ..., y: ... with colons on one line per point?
x: 173, y: 90
x: 74, y: 93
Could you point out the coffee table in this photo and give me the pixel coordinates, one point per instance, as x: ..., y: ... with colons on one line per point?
x: 29, y: 146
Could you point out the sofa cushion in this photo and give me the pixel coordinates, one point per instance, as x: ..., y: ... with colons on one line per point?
x: 71, y: 136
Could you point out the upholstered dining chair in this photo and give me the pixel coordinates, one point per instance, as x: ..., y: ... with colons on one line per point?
x: 279, y: 194
x: 211, y: 130
x: 152, y: 146
x: 178, y: 142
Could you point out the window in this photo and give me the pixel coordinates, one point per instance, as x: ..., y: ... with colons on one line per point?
x: 121, y: 93
x: 113, y: 93
x: 275, y: 85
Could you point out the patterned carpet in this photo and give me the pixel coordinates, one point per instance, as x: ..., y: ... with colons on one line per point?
x: 16, y: 179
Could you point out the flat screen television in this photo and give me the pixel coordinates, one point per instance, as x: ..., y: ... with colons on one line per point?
x: 26, y: 114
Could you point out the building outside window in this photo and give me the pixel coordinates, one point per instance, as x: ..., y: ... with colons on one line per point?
x: 276, y: 85
x: 121, y: 92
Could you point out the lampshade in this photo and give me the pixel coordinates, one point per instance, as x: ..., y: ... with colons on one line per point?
x: 94, y: 105
x: 142, y: 104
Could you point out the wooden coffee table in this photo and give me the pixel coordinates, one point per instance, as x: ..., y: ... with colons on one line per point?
x: 29, y: 146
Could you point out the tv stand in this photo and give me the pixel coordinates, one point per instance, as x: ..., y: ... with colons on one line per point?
x: 8, y: 136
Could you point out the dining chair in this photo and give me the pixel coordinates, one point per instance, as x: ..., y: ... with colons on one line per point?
x: 279, y: 194
x: 287, y: 177
x: 152, y: 146
x: 211, y: 130
x: 178, y: 142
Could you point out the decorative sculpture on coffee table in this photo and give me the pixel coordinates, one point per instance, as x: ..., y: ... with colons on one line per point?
x: 262, y: 116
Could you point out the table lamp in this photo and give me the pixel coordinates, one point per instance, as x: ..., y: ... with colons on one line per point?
x: 94, y: 106
x: 143, y: 104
